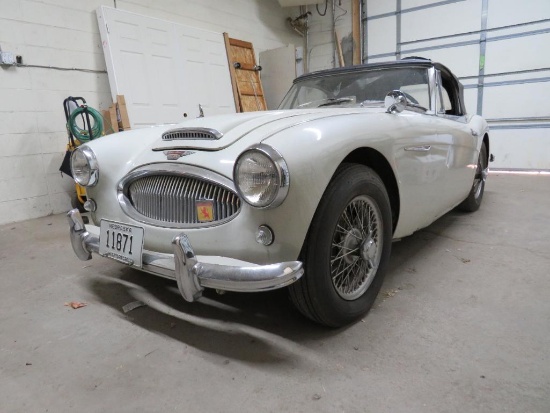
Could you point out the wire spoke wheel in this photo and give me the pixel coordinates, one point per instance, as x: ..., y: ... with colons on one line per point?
x: 481, y: 175
x: 474, y: 198
x: 356, y: 248
x: 347, y: 248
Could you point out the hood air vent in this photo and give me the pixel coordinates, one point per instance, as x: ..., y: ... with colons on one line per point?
x: 192, y: 134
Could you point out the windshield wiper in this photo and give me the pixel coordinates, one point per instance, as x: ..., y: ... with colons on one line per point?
x: 337, y: 101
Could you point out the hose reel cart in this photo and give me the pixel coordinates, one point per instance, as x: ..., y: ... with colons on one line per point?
x: 84, y: 123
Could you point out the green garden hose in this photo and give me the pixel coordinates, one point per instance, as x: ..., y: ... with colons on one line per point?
x: 82, y: 134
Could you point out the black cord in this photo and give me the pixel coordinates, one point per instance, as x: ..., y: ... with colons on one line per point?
x: 62, y: 68
x: 326, y: 7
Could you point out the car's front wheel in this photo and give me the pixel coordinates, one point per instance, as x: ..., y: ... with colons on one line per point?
x: 347, y: 248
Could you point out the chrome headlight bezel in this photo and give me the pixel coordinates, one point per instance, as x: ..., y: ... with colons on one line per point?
x: 90, y: 176
x: 282, y: 176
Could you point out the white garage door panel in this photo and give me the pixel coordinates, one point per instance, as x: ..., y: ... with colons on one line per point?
x: 520, y: 148
x: 375, y: 8
x: 515, y: 101
x: 461, y: 60
x: 523, y: 11
x: 470, y: 100
x: 506, y: 78
x: 164, y: 69
x: 441, y: 21
x: 521, y: 53
x: 379, y: 43
x: 409, y: 4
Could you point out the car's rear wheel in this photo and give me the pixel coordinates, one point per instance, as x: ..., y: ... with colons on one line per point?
x: 347, y: 249
x: 473, y: 201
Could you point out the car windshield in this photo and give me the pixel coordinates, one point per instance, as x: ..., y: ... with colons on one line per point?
x: 354, y: 89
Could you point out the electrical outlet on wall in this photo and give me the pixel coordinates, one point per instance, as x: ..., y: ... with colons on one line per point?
x: 7, y: 58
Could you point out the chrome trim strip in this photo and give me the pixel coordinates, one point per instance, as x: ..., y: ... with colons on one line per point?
x: 187, y: 134
x: 174, y: 169
x: 423, y: 148
x: 282, y: 172
x: 92, y: 162
x: 433, y: 90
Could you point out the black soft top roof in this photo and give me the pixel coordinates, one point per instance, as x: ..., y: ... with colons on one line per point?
x: 406, y: 62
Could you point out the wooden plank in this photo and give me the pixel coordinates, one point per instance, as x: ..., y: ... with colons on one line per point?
x: 356, y: 32
x: 246, y: 79
x: 107, y: 127
x: 339, y: 49
x: 248, y: 66
x: 253, y: 103
x: 260, y: 90
x: 113, y: 118
x: 240, y: 43
x: 232, y: 73
x: 123, y: 112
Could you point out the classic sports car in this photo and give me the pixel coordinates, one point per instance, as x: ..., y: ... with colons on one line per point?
x: 308, y: 197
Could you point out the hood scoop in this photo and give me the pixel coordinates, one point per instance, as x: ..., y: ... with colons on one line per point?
x: 205, y: 134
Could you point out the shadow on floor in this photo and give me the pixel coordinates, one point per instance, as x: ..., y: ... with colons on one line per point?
x: 256, y: 328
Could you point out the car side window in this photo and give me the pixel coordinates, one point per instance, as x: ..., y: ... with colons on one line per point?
x: 447, y: 96
x: 446, y: 104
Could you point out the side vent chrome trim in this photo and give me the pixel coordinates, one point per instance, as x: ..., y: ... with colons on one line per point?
x: 192, y: 134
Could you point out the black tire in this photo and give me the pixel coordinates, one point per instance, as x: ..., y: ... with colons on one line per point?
x: 474, y: 198
x: 339, y: 287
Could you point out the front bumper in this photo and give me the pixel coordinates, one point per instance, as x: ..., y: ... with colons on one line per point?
x: 191, y: 275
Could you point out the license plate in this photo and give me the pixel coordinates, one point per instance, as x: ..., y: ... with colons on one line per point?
x: 121, y: 242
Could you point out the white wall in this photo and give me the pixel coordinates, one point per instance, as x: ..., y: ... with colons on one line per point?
x: 64, y: 33
x: 321, y: 35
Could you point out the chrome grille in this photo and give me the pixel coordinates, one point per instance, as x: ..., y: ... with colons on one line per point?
x: 192, y: 133
x: 171, y: 199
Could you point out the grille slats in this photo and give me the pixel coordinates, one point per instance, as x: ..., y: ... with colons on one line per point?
x: 171, y: 199
x: 192, y: 133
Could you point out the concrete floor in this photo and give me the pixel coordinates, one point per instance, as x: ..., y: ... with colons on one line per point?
x: 462, y: 325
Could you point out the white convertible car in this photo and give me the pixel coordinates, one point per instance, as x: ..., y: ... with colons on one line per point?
x: 308, y: 197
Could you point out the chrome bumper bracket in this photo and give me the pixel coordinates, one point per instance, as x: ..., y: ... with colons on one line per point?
x: 185, y: 261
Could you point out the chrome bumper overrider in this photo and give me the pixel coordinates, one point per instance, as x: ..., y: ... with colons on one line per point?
x: 191, y: 275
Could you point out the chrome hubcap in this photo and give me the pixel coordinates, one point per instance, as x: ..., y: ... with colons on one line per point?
x: 356, y: 248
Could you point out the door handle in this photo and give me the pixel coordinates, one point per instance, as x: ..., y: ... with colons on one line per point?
x: 423, y: 148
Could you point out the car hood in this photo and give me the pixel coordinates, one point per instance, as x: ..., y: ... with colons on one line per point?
x: 227, y: 129
x: 123, y: 152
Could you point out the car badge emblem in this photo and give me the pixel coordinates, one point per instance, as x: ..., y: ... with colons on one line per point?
x: 174, y: 155
x: 205, y: 210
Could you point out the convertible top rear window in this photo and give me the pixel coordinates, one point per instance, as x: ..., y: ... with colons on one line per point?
x: 353, y: 89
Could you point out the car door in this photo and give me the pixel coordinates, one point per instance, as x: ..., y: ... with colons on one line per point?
x: 421, y: 157
x: 454, y: 131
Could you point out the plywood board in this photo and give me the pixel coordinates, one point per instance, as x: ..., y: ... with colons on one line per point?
x: 245, y: 75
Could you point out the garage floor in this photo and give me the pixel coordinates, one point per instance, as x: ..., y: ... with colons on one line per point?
x: 462, y: 325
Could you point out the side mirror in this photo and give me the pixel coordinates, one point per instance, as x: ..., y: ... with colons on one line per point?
x: 395, y: 102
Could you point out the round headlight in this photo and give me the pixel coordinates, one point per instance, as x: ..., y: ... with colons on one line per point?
x: 261, y: 177
x: 84, y: 166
